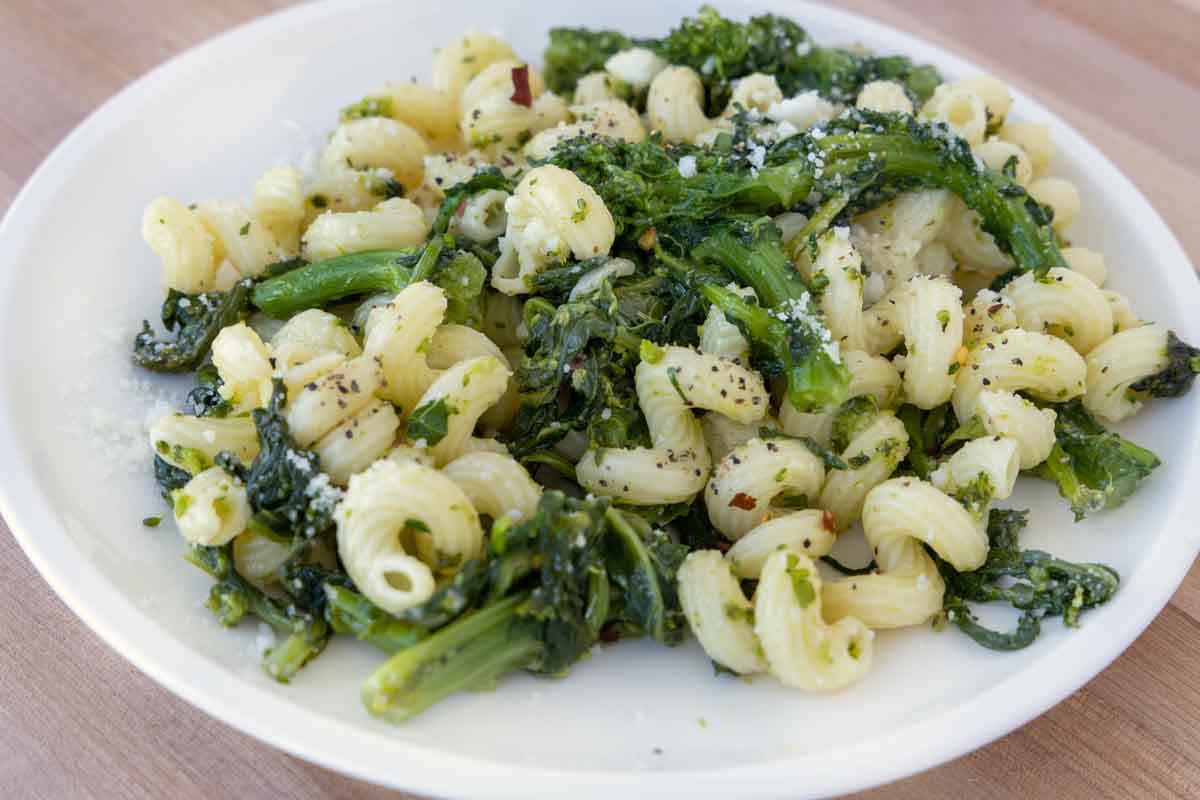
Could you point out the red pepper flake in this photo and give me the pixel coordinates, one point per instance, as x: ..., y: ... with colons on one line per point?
x: 609, y: 634
x: 828, y: 522
x: 522, y: 95
x: 743, y: 501
x: 462, y: 206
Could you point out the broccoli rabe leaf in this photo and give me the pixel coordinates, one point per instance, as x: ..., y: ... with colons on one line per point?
x: 722, y: 50
x: 303, y: 635
x: 642, y: 561
x: 1093, y: 467
x: 577, y: 374
x: 430, y: 422
x: 285, y: 485
x: 1177, y: 377
x: 191, y: 322
x: 927, y: 431
x: 204, y: 399
x: 169, y: 477
x: 1036, y: 583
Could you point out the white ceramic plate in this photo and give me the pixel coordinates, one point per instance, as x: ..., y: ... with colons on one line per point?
x: 75, y: 279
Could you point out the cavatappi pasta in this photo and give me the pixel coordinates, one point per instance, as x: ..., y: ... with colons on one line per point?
x: 637, y: 339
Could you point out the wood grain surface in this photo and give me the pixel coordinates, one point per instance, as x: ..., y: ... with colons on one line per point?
x: 77, y: 721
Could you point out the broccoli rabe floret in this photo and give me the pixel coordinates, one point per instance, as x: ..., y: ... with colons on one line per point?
x: 193, y: 321
x: 1177, y: 377
x: 232, y: 597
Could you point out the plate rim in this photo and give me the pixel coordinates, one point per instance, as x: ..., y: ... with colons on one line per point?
x: 280, y: 721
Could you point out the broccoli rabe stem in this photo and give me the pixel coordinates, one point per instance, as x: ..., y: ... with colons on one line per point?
x: 323, y: 282
x: 821, y: 219
x: 788, y: 344
x: 759, y: 264
x: 469, y: 653
x: 349, y: 612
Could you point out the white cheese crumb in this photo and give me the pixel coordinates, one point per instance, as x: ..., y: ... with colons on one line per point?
x: 804, y: 110
x: 687, y: 166
x: 264, y: 639
x: 636, y: 66
x: 757, y: 156
x: 785, y: 130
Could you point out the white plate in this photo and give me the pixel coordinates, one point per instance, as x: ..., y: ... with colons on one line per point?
x: 75, y: 279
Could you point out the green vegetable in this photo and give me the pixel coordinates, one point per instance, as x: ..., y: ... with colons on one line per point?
x: 169, y: 477
x: 348, y: 612
x: 556, y: 581
x: 429, y: 422
x: 1093, y: 467
x: 1032, y: 581
x: 458, y: 272
x: 722, y: 50
x: 232, y: 597
x: 152, y: 522
x: 205, y: 400
x: 577, y: 373
x: 854, y: 417
x: 574, y: 52
x: 1177, y: 377
x: 789, y: 341
x: 927, y: 432
x: 193, y: 321
x: 284, y: 482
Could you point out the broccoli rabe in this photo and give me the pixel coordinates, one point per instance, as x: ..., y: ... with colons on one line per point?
x: 169, y: 477
x: 204, y: 399
x: 1032, y: 581
x: 789, y: 341
x: 1093, y: 467
x: 577, y: 374
x: 575, y: 568
x: 192, y: 321
x: 287, y: 490
x: 721, y: 50
x: 1177, y: 377
x: 458, y: 272
x: 232, y: 597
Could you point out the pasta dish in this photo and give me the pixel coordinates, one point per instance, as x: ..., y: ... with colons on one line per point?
x: 532, y: 361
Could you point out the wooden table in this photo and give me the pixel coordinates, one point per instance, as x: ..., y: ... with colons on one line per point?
x: 77, y: 721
